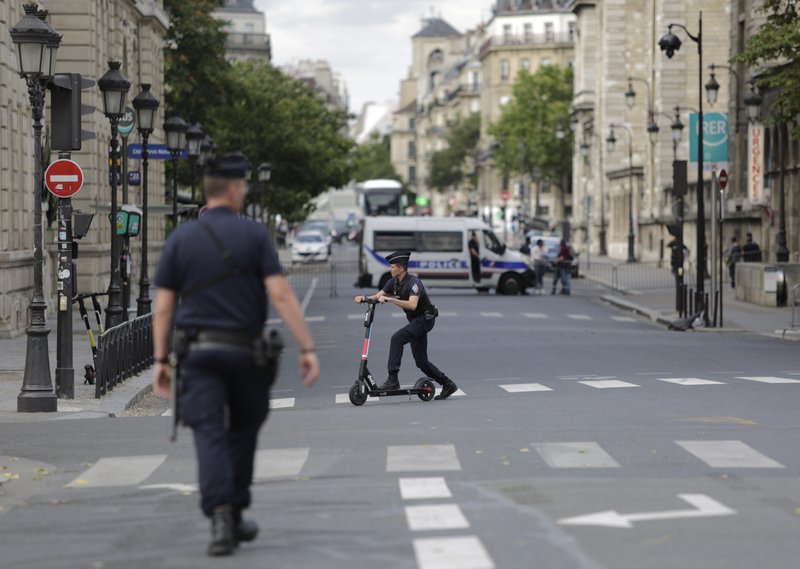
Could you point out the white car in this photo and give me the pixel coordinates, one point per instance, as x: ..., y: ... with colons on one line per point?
x: 309, y: 246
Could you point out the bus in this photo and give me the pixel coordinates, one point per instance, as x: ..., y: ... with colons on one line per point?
x: 382, y: 197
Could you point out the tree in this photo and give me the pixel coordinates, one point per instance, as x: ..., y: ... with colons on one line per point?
x: 280, y: 120
x: 372, y: 160
x: 195, y: 67
x: 527, y: 126
x: 776, y: 46
x: 448, y: 166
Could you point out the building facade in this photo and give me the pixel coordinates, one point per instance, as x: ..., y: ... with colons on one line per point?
x: 246, y: 28
x: 128, y: 31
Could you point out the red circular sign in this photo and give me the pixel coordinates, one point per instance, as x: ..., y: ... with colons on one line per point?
x: 63, y: 178
x: 504, y: 194
x: 723, y: 179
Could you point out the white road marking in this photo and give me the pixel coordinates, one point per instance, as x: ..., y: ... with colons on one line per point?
x: 448, y: 314
x: 167, y: 413
x: 309, y: 294
x: 452, y: 553
x: 119, y: 471
x: 579, y: 316
x: 608, y: 384
x: 410, y: 458
x: 424, y: 488
x: 345, y: 398
x: 762, y: 379
x: 624, y: 319
x: 704, y: 507
x: 535, y: 315
x: 524, y: 387
x: 575, y: 455
x: 728, y: 454
x: 458, y: 392
x: 355, y: 317
x: 435, y: 517
x: 491, y: 314
x: 177, y: 487
x: 279, y: 463
x: 315, y: 319
x: 285, y: 403
x: 690, y: 381
x: 274, y: 321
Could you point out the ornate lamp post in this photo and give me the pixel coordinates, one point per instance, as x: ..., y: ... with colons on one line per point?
x: 146, y: 106
x: 37, y: 44
x: 611, y: 141
x: 264, y: 173
x: 194, y: 140
x: 114, y: 86
x: 176, y: 128
x: 670, y: 43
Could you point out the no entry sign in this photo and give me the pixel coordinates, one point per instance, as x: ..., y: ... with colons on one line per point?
x: 723, y: 179
x: 63, y: 178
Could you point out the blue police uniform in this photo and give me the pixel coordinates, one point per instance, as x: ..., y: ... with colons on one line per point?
x: 225, y: 396
x: 420, y: 322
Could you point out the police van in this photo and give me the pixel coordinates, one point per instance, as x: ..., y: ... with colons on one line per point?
x: 440, y: 253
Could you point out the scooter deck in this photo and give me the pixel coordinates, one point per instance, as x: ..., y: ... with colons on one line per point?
x: 390, y: 392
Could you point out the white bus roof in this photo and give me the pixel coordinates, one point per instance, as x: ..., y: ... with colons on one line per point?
x: 400, y: 223
x: 380, y: 184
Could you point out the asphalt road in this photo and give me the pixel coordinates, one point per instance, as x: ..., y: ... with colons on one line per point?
x: 569, y: 408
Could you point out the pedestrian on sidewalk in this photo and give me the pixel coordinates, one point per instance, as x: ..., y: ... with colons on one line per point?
x: 751, y: 252
x: 406, y: 291
x: 213, y: 280
x: 734, y: 255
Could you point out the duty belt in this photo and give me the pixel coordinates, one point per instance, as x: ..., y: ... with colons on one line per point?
x: 224, y: 340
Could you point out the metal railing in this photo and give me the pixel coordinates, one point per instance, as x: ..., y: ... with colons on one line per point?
x: 795, y: 305
x: 331, y: 276
x: 636, y: 276
x: 123, y: 351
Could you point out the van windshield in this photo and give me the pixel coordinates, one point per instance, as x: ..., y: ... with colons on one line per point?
x: 491, y: 242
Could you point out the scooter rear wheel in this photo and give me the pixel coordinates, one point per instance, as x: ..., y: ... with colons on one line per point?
x: 356, y: 397
x: 428, y: 390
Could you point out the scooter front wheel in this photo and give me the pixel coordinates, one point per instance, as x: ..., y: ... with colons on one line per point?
x: 357, y: 398
x: 426, y: 387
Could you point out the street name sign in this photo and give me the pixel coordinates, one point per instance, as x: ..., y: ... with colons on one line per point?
x: 63, y: 178
x: 154, y: 152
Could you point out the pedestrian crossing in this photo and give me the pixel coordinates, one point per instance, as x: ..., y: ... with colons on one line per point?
x: 421, y: 467
x: 483, y: 314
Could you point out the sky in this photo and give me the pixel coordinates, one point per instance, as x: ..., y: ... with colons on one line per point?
x: 367, y: 41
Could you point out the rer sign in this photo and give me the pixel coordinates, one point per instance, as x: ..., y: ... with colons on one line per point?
x: 715, y: 137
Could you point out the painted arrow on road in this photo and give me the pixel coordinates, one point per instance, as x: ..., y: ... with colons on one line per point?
x: 704, y: 507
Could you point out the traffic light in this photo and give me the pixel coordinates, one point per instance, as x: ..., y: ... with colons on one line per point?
x: 66, y: 111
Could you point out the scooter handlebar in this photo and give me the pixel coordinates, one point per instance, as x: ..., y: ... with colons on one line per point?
x: 365, y: 300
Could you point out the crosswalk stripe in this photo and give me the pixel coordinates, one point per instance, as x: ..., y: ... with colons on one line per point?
x: 355, y: 316
x: 424, y: 488
x: 284, y: 403
x: 274, y: 321
x: 491, y: 314
x: 763, y: 379
x: 579, y: 316
x: 524, y: 387
x: 118, y: 471
x: 465, y: 552
x: 458, y: 392
x: 345, y: 398
x: 608, y: 384
x: 435, y: 517
x: 728, y: 454
x: 575, y: 455
x: 411, y: 458
x: 279, y: 463
x: 623, y: 319
x: 690, y: 381
x: 539, y: 315
x: 315, y: 319
x: 448, y: 314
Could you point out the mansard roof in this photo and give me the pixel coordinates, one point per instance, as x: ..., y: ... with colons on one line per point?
x: 239, y: 6
x: 436, y: 28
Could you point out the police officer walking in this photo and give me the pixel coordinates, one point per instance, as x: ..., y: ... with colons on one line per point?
x: 406, y: 291
x: 221, y: 268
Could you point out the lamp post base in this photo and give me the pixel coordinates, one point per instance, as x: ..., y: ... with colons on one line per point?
x: 37, y: 394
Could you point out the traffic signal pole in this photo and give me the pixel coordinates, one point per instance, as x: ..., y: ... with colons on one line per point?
x: 65, y: 370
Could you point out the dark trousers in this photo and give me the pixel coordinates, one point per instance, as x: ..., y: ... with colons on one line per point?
x: 225, y: 402
x: 416, y: 334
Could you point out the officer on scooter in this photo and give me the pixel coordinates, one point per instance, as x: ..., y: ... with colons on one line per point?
x: 406, y: 291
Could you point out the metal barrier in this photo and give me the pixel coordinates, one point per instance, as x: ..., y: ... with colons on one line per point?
x: 123, y: 351
x: 795, y: 305
x: 636, y: 276
x: 331, y: 276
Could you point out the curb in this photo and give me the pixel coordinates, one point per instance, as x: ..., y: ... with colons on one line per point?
x: 633, y: 307
x: 129, y: 393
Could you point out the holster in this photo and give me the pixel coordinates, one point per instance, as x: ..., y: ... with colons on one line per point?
x: 431, y: 312
x: 268, y: 354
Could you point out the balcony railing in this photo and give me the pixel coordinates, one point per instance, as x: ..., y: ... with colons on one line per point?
x: 554, y: 38
x: 248, y: 41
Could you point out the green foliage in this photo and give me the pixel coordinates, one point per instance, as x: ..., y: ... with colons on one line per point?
x: 195, y: 67
x: 447, y: 167
x: 776, y: 45
x: 526, y: 129
x: 277, y: 119
x: 372, y: 160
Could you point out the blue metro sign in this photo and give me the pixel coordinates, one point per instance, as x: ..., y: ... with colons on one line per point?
x: 715, y: 137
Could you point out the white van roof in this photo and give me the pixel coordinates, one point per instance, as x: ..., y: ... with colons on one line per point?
x: 400, y: 223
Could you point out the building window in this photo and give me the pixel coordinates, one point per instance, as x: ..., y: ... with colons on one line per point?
x: 505, y: 71
x: 412, y: 174
x: 412, y: 150
x: 412, y: 124
x: 545, y: 61
x: 475, y: 81
x: 572, y: 31
x: 525, y: 64
x: 528, y: 32
x: 507, y: 35
x: 568, y: 212
x: 544, y: 210
x: 549, y: 32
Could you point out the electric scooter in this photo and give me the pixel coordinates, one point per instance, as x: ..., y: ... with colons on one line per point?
x: 365, y: 386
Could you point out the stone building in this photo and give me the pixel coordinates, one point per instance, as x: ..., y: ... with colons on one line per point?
x: 319, y: 75
x: 247, y: 37
x: 93, y: 32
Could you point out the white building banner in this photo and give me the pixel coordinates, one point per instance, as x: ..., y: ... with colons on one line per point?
x: 755, y: 164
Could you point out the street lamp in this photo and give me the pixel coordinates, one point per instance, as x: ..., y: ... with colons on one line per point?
x: 670, y: 43
x: 752, y: 102
x: 145, y: 105
x: 36, y: 44
x: 263, y: 173
x: 611, y: 141
x: 194, y: 140
x: 712, y: 91
x: 114, y: 86
x: 176, y: 128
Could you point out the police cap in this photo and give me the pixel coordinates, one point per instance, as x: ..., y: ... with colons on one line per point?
x: 398, y: 258
x: 234, y: 166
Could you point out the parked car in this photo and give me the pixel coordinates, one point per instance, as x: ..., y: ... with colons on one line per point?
x: 321, y: 225
x: 552, y: 243
x: 310, y: 246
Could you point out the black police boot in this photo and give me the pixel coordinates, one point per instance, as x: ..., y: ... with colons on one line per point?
x: 243, y: 529
x: 391, y: 383
x: 448, y: 388
x: 222, y: 540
